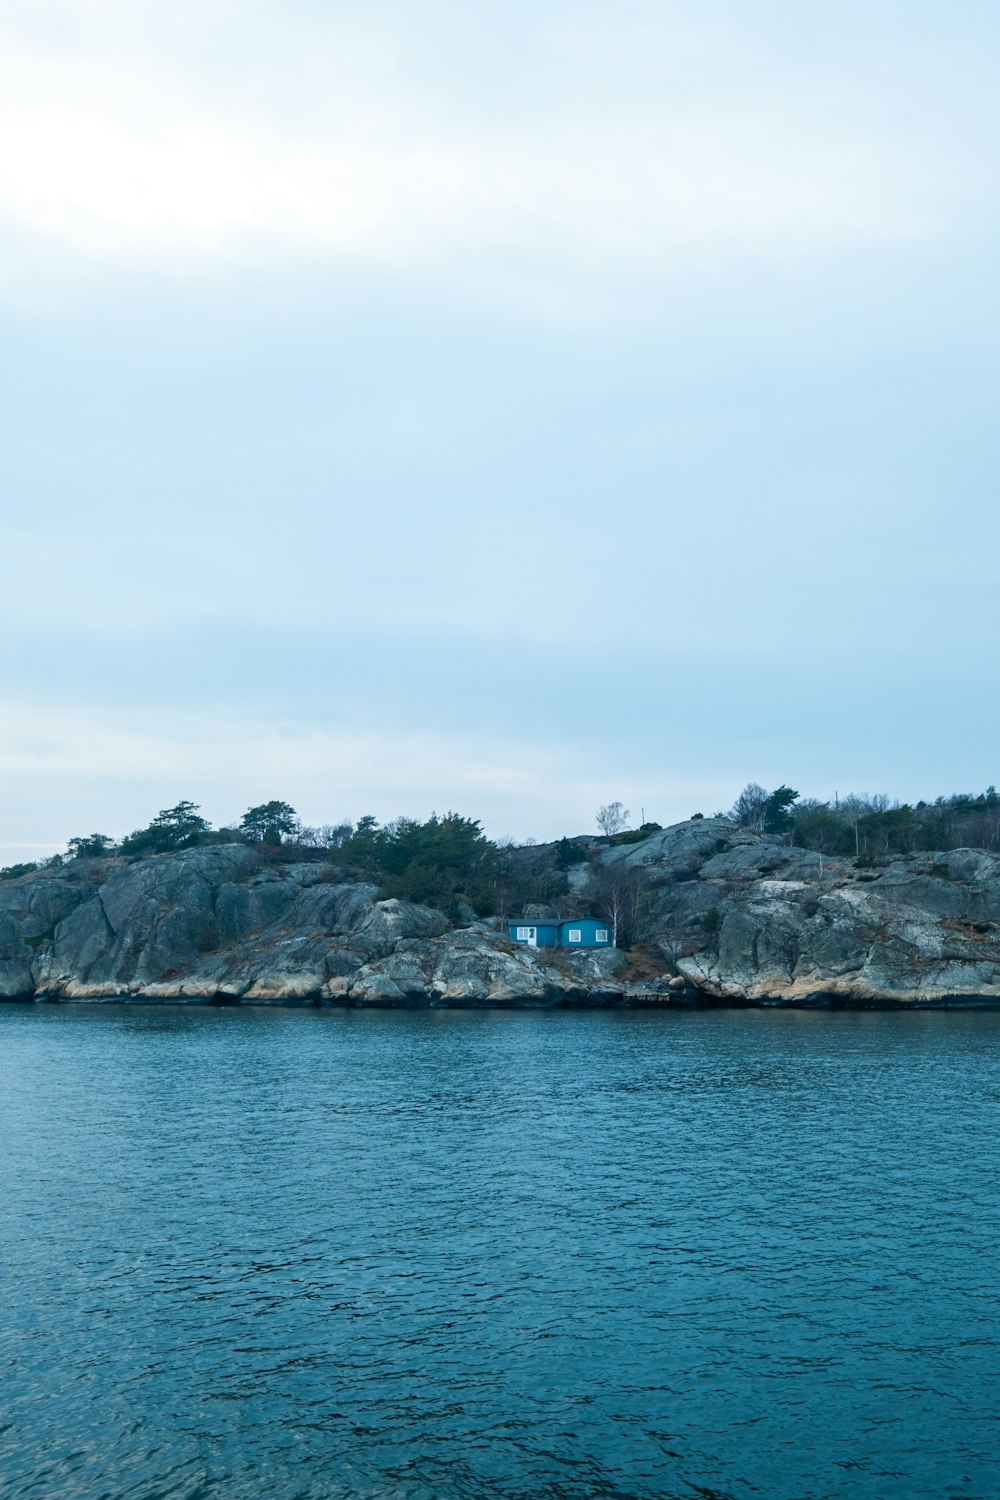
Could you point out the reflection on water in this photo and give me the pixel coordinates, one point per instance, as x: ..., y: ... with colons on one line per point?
x: 442, y: 1254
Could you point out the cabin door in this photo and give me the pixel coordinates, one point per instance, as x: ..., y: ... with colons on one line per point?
x: 532, y: 937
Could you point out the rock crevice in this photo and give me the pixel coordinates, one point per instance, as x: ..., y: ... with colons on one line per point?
x: 726, y: 914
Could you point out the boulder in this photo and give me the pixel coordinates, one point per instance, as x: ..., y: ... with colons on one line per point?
x: 737, y: 916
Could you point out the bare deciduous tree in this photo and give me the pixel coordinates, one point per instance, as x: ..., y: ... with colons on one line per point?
x: 612, y: 818
x: 335, y: 835
x: 620, y: 894
x: 750, y: 806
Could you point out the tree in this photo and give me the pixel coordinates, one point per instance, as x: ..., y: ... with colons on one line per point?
x: 750, y: 806
x: 173, y: 828
x: 819, y: 828
x: 335, y: 835
x: 525, y: 873
x: 569, y: 852
x: 88, y: 848
x: 439, y: 862
x: 620, y: 893
x: 778, y: 810
x: 269, y: 823
x: 612, y: 818
x: 180, y: 824
x: 364, y: 846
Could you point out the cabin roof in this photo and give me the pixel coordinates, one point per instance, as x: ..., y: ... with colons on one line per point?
x: 553, y: 921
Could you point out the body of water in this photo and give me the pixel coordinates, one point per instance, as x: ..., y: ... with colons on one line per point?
x: 279, y: 1254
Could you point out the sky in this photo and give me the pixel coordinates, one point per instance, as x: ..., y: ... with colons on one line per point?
x: 504, y: 408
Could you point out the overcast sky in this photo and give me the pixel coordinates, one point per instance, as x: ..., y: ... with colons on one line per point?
x: 500, y: 407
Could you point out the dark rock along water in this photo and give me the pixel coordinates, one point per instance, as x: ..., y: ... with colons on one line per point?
x: 728, y: 1254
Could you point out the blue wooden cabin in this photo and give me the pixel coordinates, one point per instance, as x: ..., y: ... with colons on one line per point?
x: 570, y: 932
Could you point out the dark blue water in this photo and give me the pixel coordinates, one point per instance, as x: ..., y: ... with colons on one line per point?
x: 285, y: 1254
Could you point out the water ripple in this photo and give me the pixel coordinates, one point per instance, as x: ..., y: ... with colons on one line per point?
x: 407, y: 1255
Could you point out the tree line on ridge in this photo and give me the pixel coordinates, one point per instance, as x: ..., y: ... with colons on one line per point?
x: 448, y: 862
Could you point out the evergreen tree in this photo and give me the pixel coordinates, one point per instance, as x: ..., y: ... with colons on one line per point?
x: 778, y: 810
x: 173, y: 828
x: 269, y: 823
x: 94, y: 844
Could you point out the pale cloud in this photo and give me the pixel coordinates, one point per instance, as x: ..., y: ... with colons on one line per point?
x: 58, y: 764
x: 120, y: 152
x: 362, y: 352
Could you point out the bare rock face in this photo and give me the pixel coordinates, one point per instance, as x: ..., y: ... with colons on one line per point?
x: 743, y: 916
x: 30, y: 911
x: 149, y: 921
x: 735, y: 915
x: 210, y: 924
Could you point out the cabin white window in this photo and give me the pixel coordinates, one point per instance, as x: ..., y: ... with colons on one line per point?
x: 523, y: 934
x: 601, y: 935
x: 575, y: 935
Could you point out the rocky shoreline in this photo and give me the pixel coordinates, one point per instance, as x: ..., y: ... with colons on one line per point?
x: 730, y: 917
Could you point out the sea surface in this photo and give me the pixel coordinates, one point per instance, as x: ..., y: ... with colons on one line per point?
x: 503, y: 1254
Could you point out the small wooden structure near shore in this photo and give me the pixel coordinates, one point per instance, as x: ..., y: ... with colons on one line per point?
x: 676, y: 992
x: 560, y: 932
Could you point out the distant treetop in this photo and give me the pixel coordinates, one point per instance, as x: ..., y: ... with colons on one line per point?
x: 270, y: 823
x: 177, y: 827
x: 612, y: 818
x: 93, y: 845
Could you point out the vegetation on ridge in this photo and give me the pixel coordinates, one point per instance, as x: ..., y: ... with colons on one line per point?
x: 448, y: 862
x: 872, y: 827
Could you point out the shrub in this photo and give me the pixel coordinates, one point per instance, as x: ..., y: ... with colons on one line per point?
x: 636, y: 835
x: 569, y: 852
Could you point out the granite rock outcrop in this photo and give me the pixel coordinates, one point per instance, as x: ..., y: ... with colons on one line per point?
x: 744, y: 916
x: 213, y: 924
x: 726, y: 915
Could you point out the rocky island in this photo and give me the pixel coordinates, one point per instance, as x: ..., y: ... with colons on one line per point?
x: 730, y: 914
